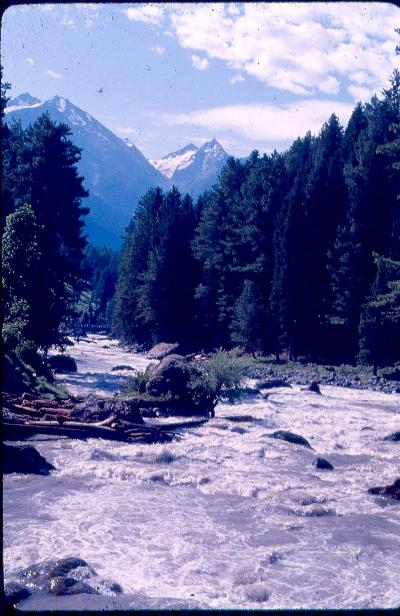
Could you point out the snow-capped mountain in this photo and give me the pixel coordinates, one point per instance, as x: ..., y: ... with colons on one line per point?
x: 116, y: 173
x: 180, y: 159
x: 193, y: 169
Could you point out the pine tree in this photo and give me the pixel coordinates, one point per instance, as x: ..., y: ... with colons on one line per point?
x: 128, y: 320
x: 246, y: 324
x: 380, y: 316
x: 40, y: 168
x: 288, y: 301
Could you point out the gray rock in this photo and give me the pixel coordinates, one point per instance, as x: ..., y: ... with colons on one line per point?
x: 392, y: 491
x: 161, y: 350
x: 24, y: 459
x: 121, y: 367
x: 62, y: 363
x: 14, y: 593
x: 290, y: 437
x: 64, y: 576
x: 314, y: 387
x: 395, y: 436
x: 95, y: 408
x: 273, y: 383
x: 323, y: 464
x: 68, y: 586
x: 172, y: 376
x: 48, y: 569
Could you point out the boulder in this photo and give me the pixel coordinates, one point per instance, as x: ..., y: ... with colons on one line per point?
x: 14, y: 593
x: 149, y: 370
x: 392, y: 491
x: 95, y: 408
x: 395, y: 436
x: 62, y: 363
x: 69, y: 586
x: 121, y: 367
x: 273, y: 383
x: 290, y: 437
x: 161, y: 350
x: 24, y: 459
x: 172, y: 376
x: 64, y: 576
x: 49, y: 569
x: 313, y: 386
x: 323, y: 464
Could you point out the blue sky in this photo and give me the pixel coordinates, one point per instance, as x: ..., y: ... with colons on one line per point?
x: 251, y: 75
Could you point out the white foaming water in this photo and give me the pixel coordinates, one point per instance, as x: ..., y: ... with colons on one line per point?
x: 226, y: 516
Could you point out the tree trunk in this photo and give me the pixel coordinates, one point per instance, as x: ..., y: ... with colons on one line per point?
x: 375, y: 371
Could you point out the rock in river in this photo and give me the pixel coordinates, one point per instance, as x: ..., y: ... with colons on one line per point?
x: 62, y: 363
x: 95, y: 408
x: 395, y: 436
x: 161, y: 350
x: 171, y: 375
x: 24, y: 459
x: 323, y: 464
x: 65, y: 576
x: 392, y: 491
x: 290, y: 437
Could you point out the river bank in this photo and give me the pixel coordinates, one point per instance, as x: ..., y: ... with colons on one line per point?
x: 353, y: 377
x: 226, y: 516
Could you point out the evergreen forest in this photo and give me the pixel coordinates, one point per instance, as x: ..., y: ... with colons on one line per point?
x: 294, y: 253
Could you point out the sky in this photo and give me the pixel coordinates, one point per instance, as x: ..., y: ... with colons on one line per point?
x: 252, y: 75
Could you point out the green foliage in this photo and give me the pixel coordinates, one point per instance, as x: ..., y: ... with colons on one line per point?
x: 135, y: 383
x: 380, y: 317
x: 154, y: 297
x: 224, y: 369
x: 278, y: 256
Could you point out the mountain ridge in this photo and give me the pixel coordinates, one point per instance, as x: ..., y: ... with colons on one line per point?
x: 116, y: 172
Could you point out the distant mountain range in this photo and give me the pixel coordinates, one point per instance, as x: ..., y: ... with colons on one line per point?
x: 193, y: 169
x: 116, y: 173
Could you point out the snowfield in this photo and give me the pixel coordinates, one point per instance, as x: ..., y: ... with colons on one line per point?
x: 225, y: 517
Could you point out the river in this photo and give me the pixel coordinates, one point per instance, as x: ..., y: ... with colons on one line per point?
x: 225, y: 517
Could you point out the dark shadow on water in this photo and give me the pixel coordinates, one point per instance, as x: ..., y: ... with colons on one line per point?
x: 96, y: 380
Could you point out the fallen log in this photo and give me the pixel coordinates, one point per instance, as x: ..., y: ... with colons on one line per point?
x: 79, y: 430
x: 24, y: 410
x: 14, y: 431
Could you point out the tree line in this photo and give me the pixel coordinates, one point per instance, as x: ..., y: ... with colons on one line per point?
x: 43, y: 243
x: 295, y: 252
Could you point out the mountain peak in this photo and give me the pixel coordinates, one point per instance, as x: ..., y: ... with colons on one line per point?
x: 23, y: 100
x: 175, y: 161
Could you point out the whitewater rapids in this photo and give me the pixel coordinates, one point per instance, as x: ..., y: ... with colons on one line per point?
x: 225, y: 517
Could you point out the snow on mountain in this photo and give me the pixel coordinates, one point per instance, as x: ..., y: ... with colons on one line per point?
x: 193, y: 169
x: 180, y: 159
x: 23, y: 101
x: 199, y: 171
x: 115, y: 175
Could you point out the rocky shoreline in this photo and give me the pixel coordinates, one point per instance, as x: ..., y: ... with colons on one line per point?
x: 297, y: 374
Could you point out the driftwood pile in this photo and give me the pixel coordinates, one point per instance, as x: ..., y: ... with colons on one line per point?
x: 26, y: 415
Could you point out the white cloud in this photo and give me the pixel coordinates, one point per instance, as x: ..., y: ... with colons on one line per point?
x: 263, y: 122
x: 200, y: 63
x: 30, y: 61
x: 304, y: 47
x: 148, y: 13
x: 53, y: 74
x: 128, y: 131
x: 158, y: 49
x: 236, y: 79
x: 360, y: 94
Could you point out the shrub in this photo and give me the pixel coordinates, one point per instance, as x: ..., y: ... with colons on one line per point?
x: 63, y: 363
x: 135, y: 383
x: 223, y: 370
